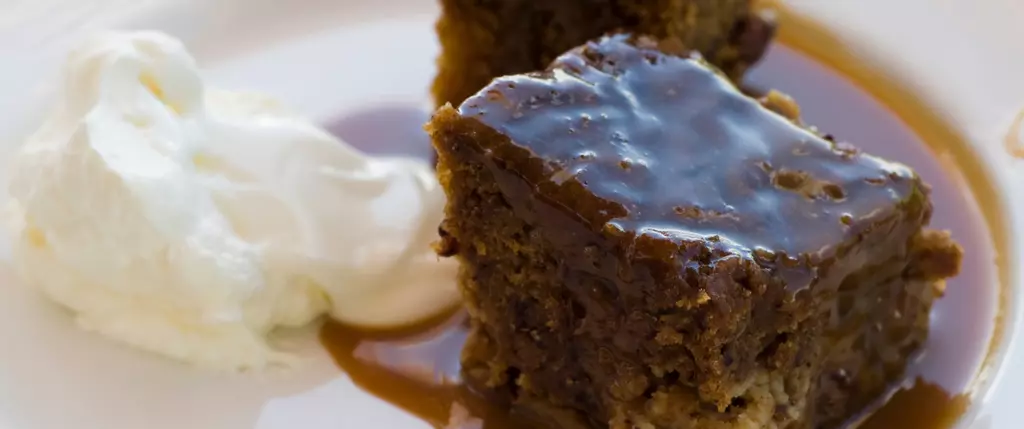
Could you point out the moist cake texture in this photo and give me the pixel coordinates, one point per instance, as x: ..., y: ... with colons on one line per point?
x: 481, y: 40
x: 643, y: 246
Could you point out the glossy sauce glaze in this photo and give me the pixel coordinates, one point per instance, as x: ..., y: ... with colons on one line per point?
x: 417, y: 369
x: 650, y: 148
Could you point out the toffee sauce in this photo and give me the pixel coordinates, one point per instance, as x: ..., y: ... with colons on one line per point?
x: 416, y: 368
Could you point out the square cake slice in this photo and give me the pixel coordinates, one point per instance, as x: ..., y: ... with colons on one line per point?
x: 481, y: 40
x: 643, y: 246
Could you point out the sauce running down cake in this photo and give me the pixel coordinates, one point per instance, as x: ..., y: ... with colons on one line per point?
x: 643, y: 246
x: 481, y: 40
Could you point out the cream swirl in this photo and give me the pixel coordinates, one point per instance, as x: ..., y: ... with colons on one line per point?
x: 191, y: 222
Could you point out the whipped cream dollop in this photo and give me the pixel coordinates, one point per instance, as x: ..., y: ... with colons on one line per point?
x: 191, y: 222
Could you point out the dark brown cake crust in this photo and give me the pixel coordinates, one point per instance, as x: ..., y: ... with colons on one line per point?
x: 484, y: 39
x: 644, y: 246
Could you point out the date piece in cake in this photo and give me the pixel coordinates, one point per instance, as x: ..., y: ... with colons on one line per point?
x: 643, y: 246
x: 481, y: 40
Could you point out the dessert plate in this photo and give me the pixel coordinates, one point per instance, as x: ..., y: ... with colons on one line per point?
x: 364, y: 68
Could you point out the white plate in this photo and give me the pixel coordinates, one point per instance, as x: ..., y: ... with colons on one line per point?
x: 323, y: 57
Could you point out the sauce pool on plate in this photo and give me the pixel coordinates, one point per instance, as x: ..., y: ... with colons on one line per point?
x: 417, y: 369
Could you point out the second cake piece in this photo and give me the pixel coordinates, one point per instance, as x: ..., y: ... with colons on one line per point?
x: 643, y: 246
x: 481, y: 40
